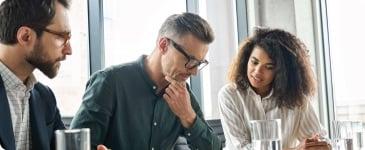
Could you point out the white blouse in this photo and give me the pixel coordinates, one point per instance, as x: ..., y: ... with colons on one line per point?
x: 238, y: 107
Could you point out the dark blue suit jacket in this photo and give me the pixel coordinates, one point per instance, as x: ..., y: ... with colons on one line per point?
x: 44, y: 118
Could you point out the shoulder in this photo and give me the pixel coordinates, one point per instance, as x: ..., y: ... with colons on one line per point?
x: 306, y: 106
x: 42, y: 91
x: 129, y: 67
x: 125, y: 67
x: 229, y: 93
x: 228, y: 89
x: 43, y: 95
x: 115, y: 72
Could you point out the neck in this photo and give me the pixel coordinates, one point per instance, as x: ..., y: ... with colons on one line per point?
x: 12, y: 58
x: 262, y: 92
x: 154, y: 70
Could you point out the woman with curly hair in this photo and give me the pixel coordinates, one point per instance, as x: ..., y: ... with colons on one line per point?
x: 270, y: 78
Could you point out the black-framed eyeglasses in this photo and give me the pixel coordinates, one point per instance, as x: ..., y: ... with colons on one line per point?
x: 66, y: 36
x: 192, y: 61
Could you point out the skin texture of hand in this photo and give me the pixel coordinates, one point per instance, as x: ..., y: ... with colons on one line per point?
x: 102, y: 147
x: 314, y: 144
x: 178, y: 99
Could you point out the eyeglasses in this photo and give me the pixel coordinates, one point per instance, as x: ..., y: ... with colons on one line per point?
x: 66, y: 36
x: 192, y: 61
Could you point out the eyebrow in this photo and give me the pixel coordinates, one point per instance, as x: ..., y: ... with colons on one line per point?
x: 178, y: 46
x: 253, y: 57
x: 64, y: 30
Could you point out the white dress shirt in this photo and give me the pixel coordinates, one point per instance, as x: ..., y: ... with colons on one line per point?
x: 238, y: 107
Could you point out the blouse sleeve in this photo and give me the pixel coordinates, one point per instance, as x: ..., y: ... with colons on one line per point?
x: 235, y: 131
x: 309, y: 123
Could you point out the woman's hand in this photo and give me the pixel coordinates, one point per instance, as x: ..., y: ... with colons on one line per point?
x: 102, y: 147
x: 314, y: 143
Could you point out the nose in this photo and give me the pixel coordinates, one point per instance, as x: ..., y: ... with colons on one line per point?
x: 67, y: 49
x: 193, y: 71
x: 258, y: 69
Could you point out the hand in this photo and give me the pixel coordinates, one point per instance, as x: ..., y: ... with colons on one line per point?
x: 178, y: 99
x: 314, y: 143
x: 102, y: 147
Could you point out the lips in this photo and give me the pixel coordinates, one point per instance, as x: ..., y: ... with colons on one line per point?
x: 256, y: 79
x: 184, y: 76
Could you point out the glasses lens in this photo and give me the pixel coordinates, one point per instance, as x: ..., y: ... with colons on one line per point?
x: 202, y: 65
x: 195, y: 63
x: 67, y: 40
x: 192, y: 63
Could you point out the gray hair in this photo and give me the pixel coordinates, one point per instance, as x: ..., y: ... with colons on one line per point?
x: 178, y: 25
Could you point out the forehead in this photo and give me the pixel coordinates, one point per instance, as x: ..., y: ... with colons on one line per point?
x: 260, y: 54
x: 193, y: 46
x: 60, y: 21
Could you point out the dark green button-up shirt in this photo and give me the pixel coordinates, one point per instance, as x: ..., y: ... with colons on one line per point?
x: 123, y: 112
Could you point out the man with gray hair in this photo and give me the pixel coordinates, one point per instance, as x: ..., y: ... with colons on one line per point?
x: 146, y: 104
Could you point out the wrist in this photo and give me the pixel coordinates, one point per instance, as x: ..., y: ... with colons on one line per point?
x: 189, y: 120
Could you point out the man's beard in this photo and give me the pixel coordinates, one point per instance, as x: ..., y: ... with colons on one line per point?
x: 39, y: 60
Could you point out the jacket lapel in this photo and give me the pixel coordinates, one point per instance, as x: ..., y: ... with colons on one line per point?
x: 38, y: 123
x: 7, y: 140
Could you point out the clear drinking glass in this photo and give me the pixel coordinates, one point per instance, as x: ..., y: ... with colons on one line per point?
x: 342, y: 135
x: 73, y: 139
x: 266, y: 134
x: 358, y: 135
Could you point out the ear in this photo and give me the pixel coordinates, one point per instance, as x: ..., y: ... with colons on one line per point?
x: 26, y: 36
x: 163, y: 44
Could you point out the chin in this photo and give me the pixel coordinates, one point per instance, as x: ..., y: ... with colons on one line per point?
x: 255, y: 85
x: 183, y: 78
x: 53, y: 71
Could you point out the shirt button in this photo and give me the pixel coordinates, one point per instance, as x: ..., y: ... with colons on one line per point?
x: 189, y: 134
x: 154, y: 87
x: 152, y: 148
x: 155, y: 123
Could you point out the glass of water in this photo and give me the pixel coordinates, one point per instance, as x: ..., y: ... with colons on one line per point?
x: 342, y: 135
x: 266, y: 134
x: 358, y: 135
x: 73, y: 139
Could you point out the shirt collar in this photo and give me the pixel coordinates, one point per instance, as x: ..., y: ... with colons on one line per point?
x: 31, y: 81
x: 251, y: 91
x: 11, y: 81
x: 146, y: 77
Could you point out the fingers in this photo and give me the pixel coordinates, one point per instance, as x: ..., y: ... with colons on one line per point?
x: 315, y: 138
x: 316, y: 145
x: 175, y: 82
x: 174, y: 92
x: 169, y: 93
x: 175, y: 89
x: 102, y: 147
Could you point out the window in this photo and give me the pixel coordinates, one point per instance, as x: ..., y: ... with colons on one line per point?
x: 69, y: 85
x: 131, y: 29
x: 345, y: 29
x: 220, y: 54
